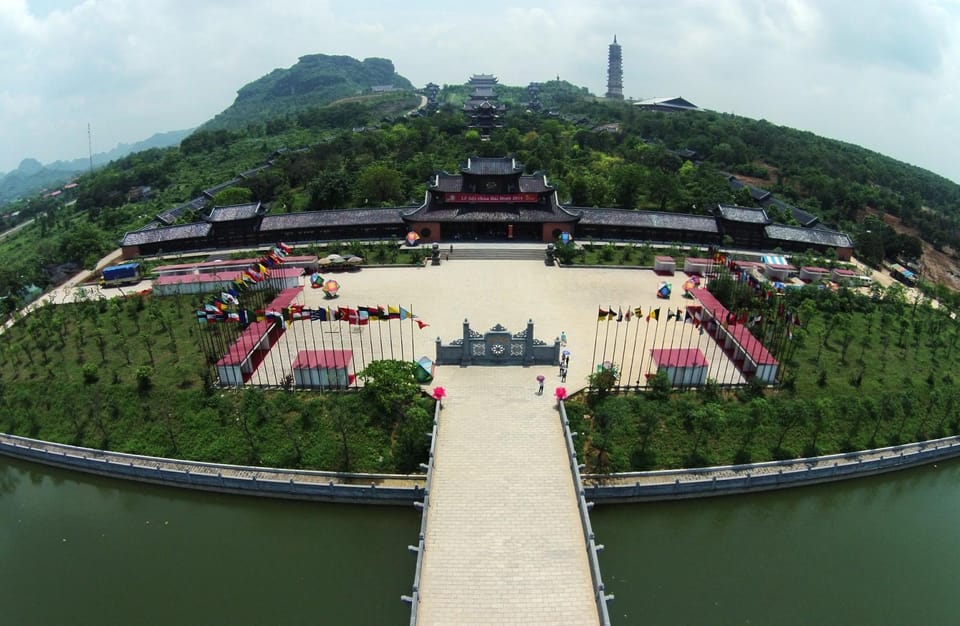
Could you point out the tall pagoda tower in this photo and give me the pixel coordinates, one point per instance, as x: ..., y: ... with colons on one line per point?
x: 614, y: 72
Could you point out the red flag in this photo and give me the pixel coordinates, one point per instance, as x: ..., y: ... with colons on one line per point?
x: 421, y: 324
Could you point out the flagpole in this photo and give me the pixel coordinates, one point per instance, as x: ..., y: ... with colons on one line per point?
x: 606, y: 338
x: 633, y: 356
x: 623, y: 352
x: 673, y: 335
x: 369, y: 333
x: 643, y: 349
x: 380, y: 321
x: 400, y: 321
x: 616, y: 333
x: 596, y: 337
x: 390, y: 331
x: 413, y: 341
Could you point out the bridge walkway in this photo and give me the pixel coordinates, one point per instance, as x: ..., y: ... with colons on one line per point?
x: 504, y: 542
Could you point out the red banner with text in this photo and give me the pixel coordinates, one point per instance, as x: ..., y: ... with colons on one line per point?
x: 491, y: 197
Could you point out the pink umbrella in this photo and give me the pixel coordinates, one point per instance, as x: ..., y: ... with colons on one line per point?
x: 540, y: 378
x: 561, y: 393
x: 439, y: 393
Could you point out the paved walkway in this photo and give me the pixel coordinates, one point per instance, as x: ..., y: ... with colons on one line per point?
x: 504, y: 542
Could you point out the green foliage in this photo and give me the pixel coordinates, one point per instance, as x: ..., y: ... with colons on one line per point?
x: 902, y: 393
x: 232, y: 195
x: 389, y: 386
x: 119, y: 384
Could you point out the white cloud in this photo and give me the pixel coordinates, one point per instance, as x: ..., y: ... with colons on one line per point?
x: 884, y: 77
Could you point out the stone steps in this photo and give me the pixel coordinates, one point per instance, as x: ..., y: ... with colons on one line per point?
x: 504, y: 253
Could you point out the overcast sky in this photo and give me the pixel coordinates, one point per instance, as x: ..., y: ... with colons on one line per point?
x: 882, y: 74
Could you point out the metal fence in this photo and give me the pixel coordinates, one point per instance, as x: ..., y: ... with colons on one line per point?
x: 414, y: 598
x: 593, y: 548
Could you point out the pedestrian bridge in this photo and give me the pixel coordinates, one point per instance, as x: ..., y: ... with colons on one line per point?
x: 504, y: 540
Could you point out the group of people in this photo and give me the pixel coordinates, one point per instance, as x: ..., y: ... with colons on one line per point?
x: 564, y: 365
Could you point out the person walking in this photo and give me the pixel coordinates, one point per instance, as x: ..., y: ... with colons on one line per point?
x: 563, y: 338
x: 563, y: 373
x: 540, y: 379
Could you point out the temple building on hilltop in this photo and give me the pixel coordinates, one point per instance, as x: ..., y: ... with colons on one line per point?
x: 482, y: 108
x: 490, y: 198
x: 614, y: 72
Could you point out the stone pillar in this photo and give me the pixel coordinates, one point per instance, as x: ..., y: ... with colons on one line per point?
x: 528, y: 345
x: 550, y: 259
x: 435, y: 254
x: 465, y: 349
x: 438, y: 360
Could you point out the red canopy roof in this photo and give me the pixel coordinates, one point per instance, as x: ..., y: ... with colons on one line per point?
x: 680, y: 357
x: 328, y: 359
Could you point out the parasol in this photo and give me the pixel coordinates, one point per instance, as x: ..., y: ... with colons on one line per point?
x: 353, y: 259
x: 331, y: 259
x: 330, y: 288
x: 664, y: 290
x: 540, y: 378
x: 412, y: 238
x: 565, y: 237
x: 316, y: 280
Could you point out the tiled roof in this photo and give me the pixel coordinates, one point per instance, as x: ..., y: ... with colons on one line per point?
x: 671, y: 102
x: 335, y: 217
x: 213, y: 190
x: 749, y: 215
x: 448, y: 182
x: 534, y: 184
x: 818, y: 236
x: 646, y: 219
x: 803, y: 218
x: 234, y: 212
x: 496, y: 213
x: 167, y: 233
x: 492, y: 166
x: 758, y: 194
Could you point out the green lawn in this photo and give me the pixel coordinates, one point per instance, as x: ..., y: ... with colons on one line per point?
x: 857, y: 373
x: 127, y: 375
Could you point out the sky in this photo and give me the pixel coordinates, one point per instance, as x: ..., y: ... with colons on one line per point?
x: 883, y: 74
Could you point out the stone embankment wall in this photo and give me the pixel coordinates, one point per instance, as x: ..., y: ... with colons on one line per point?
x: 732, y: 479
x: 390, y: 489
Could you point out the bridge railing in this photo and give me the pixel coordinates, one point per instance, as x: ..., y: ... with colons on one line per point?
x: 414, y: 598
x: 593, y: 548
x: 391, y: 489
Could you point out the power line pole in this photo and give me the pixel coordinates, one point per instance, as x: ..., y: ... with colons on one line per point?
x: 90, y: 147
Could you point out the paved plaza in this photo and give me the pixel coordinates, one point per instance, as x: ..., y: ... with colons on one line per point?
x: 490, y: 292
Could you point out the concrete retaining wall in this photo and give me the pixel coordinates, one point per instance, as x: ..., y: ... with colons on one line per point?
x: 733, y: 479
x: 386, y: 489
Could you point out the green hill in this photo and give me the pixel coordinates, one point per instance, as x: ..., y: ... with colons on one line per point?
x: 315, y: 81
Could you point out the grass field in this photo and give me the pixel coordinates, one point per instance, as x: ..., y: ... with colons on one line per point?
x: 858, y: 373
x: 127, y: 375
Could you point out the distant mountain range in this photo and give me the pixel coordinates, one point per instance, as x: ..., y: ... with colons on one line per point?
x: 315, y: 80
x: 32, y: 177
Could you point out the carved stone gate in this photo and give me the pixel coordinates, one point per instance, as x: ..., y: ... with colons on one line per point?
x: 498, y: 346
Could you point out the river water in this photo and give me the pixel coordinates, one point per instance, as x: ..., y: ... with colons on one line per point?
x: 881, y: 550
x: 79, y: 549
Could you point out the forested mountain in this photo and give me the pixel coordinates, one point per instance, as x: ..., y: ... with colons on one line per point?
x: 32, y: 177
x: 316, y: 80
x: 366, y: 151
